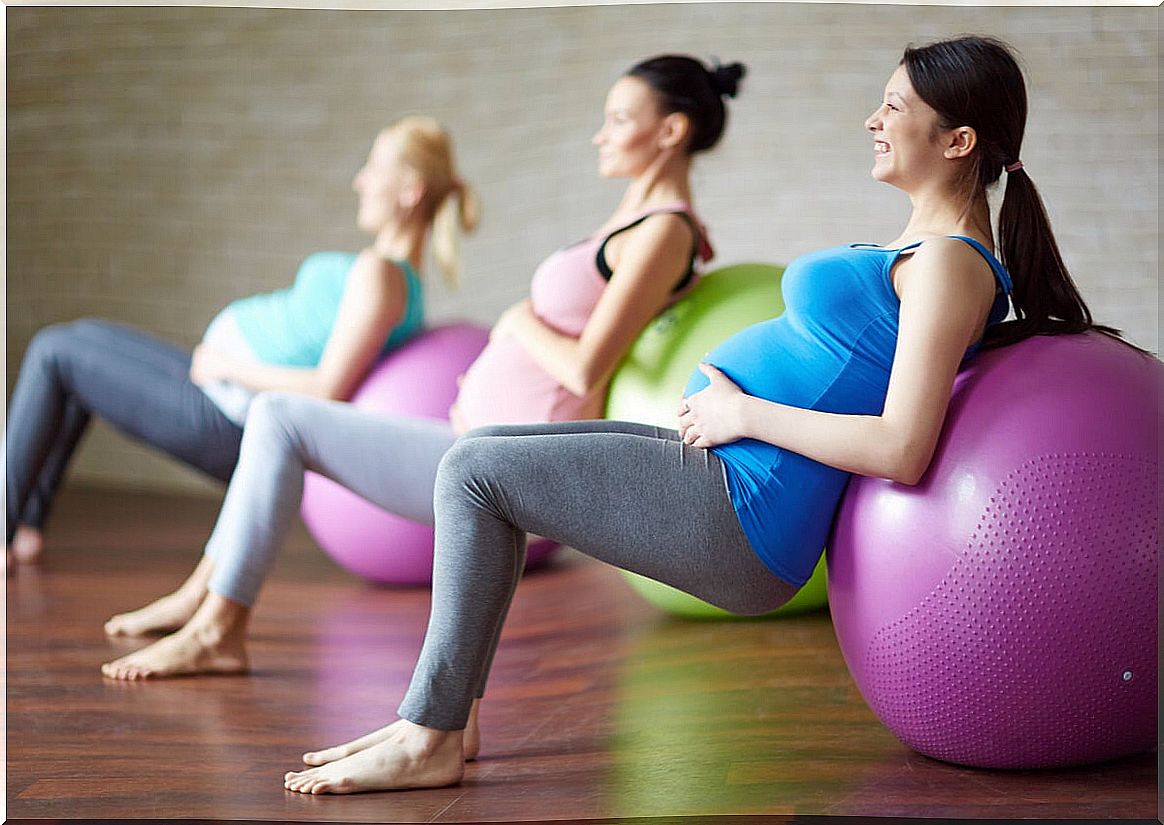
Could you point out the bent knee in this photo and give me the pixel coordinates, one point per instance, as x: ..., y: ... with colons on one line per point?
x: 57, y: 342
x: 467, y: 466
x: 460, y: 460
x: 274, y: 416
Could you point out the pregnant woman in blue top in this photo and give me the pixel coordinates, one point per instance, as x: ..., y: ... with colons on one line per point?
x: 318, y: 337
x: 735, y: 504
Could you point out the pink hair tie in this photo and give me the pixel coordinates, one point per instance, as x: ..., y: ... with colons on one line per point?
x: 1014, y: 167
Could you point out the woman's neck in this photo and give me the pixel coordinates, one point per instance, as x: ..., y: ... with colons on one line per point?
x: 664, y: 182
x: 402, y: 242
x: 938, y: 215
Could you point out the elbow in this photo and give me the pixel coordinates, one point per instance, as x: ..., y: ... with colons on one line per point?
x: 581, y: 380
x: 907, y: 465
x: 907, y: 476
x: 331, y: 390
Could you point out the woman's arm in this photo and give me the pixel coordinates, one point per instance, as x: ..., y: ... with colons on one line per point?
x: 946, y: 291
x: 373, y: 303
x: 653, y: 257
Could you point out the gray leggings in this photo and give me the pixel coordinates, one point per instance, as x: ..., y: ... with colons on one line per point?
x: 628, y: 494
x: 138, y: 383
x: 389, y: 460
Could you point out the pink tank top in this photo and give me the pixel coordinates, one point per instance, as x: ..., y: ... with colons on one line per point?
x: 505, y: 385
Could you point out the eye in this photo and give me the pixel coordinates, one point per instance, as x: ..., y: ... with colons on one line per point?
x: 889, y: 105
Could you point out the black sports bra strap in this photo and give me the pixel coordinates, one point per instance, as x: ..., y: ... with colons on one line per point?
x: 607, y: 273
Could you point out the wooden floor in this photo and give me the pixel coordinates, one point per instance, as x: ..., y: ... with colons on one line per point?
x: 599, y: 708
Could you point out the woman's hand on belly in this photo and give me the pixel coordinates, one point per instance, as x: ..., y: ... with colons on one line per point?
x: 208, y: 365
x: 712, y: 416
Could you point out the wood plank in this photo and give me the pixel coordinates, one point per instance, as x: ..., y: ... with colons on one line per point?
x: 599, y: 708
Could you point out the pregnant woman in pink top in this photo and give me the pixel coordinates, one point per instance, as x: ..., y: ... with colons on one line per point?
x: 549, y: 358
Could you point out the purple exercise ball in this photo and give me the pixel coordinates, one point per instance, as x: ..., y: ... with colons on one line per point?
x: 1003, y: 612
x: 418, y: 379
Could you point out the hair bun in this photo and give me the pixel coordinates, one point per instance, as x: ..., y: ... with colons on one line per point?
x: 725, y: 79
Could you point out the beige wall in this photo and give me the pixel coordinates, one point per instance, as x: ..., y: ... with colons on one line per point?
x: 164, y: 161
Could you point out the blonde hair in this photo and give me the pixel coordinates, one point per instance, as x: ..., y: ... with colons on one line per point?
x: 449, y: 203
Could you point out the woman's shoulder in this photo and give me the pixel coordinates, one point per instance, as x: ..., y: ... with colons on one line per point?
x: 953, y: 261
x: 371, y: 262
x: 959, y: 253
x: 372, y: 271
x: 666, y: 224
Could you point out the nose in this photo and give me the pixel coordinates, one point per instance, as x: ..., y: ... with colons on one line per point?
x: 599, y: 137
x: 873, y: 122
x: 358, y: 180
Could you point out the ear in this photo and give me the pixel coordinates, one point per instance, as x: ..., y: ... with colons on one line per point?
x: 412, y: 192
x: 676, y: 127
x: 960, y: 142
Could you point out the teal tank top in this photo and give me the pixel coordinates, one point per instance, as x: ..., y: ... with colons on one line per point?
x: 290, y: 327
x: 831, y: 350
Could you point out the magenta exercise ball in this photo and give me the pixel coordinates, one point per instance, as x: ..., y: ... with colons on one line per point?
x: 418, y: 379
x: 1002, y: 613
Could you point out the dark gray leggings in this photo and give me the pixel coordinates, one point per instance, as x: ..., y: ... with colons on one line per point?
x: 630, y: 495
x: 136, y: 382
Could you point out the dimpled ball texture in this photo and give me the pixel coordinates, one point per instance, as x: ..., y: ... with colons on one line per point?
x: 649, y: 383
x: 1002, y: 613
x: 419, y: 379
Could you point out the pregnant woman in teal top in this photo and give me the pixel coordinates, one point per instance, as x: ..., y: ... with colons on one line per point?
x: 733, y: 506
x: 318, y: 338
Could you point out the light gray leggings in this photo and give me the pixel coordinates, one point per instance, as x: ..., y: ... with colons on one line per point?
x: 389, y: 460
x: 628, y: 494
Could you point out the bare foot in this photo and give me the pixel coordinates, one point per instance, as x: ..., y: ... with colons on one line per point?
x: 213, y: 641
x: 471, y: 746
x: 168, y: 613
x: 27, y: 545
x: 472, y: 742
x: 410, y: 757
x: 182, y: 654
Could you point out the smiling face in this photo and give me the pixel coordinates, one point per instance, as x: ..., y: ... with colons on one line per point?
x: 909, y: 147
x: 385, y: 186
x: 633, y: 132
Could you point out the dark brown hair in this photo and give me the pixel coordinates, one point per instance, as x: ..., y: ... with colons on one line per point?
x: 976, y: 82
x: 684, y: 84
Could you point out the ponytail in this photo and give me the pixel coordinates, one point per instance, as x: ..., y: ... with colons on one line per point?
x: 460, y: 211
x: 449, y: 204
x: 1045, y: 298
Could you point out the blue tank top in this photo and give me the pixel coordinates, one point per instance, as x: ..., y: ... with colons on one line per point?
x: 290, y: 327
x: 832, y: 351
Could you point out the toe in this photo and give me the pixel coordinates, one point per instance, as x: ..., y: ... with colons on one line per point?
x: 297, y: 779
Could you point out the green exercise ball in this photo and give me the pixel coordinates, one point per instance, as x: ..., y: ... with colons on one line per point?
x: 649, y: 382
